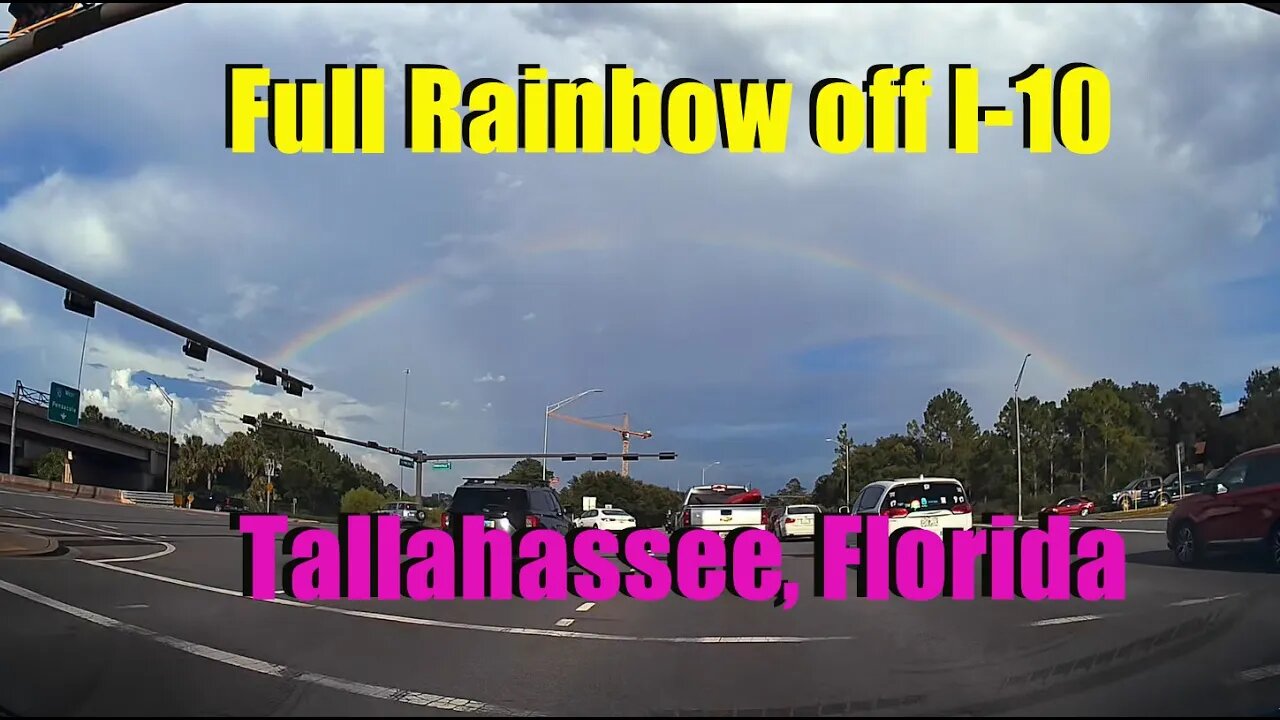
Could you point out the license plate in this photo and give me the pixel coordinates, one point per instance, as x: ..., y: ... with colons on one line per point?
x: 928, y: 522
x: 806, y: 521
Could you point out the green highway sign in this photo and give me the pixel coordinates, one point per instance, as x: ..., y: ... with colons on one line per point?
x: 446, y: 465
x: 64, y: 405
x: 406, y: 462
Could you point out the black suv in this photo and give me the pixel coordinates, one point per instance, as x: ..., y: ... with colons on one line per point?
x: 507, y: 506
x: 215, y: 500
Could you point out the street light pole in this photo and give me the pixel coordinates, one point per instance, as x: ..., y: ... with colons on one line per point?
x: 168, y: 443
x: 404, y: 424
x: 546, y: 421
x: 705, y: 469
x: 1017, y: 421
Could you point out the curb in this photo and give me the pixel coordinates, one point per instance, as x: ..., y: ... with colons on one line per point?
x: 48, y: 546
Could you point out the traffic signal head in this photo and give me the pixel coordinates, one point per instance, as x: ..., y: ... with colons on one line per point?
x: 77, y: 303
x: 266, y: 375
x: 195, y: 350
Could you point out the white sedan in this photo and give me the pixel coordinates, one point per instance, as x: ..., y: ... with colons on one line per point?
x: 606, y: 519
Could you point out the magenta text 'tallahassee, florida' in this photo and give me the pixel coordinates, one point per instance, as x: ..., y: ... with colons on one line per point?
x: 370, y: 557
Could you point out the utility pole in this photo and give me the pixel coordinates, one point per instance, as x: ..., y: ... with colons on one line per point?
x: 168, y: 444
x: 704, y: 471
x: 13, y: 423
x: 1017, y: 415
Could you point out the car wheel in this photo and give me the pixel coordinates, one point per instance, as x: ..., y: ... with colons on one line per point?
x: 1273, y: 549
x: 1164, y: 500
x: 1186, y: 546
x: 1125, y: 504
x: 1084, y: 512
x: 217, y: 507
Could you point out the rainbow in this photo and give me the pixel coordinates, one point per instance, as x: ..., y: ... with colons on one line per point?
x: 362, y: 309
x: 1017, y: 341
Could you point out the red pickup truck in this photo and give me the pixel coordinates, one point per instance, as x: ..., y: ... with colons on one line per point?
x: 1239, y: 509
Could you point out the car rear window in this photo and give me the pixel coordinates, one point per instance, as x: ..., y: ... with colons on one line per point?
x: 803, y: 510
x: 616, y: 513
x: 925, y: 496
x: 715, y: 497
x: 475, y: 501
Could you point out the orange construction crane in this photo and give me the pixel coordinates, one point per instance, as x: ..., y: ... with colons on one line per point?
x: 625, y: 431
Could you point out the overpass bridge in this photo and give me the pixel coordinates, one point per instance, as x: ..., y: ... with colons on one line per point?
x: 99, y: 455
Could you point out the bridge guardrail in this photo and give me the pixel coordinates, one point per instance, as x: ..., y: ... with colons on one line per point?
x: 139, y: 497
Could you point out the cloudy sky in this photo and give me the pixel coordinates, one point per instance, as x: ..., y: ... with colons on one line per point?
x: 741, y: 307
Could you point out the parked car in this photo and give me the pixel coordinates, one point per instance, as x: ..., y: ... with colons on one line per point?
x: 1139, y: 493
x: 1074, y: 505
x: 1191, y: 483
x: 1238, y: 509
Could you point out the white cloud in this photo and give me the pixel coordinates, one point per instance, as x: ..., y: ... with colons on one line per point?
x: 487, y: 407
x: 713, y: 292
x: 491, y: 378
x: 10, y: 312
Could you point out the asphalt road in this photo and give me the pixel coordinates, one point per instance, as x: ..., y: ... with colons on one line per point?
x: 142, y: 614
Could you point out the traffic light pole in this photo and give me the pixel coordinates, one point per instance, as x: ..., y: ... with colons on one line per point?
x: 419, y: 458
x: 73, y: 27
x: 417, y: 483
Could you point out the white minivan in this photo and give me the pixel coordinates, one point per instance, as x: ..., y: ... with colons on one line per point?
x: 931, y: 503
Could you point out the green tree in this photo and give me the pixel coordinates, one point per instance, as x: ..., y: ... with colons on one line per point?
x: 947, y: 434
x: 50, y: 465
x: 647, y: 503
x: 362, y: 500
x: 527, y: 470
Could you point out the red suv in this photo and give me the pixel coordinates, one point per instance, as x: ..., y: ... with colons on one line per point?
x: 1238, y: 509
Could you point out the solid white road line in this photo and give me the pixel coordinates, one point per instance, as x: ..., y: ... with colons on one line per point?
x: 1201, y: 601
x: 585, y: 606
x: 1064, y: 620
x: 564, y: 622
x: 1260, y: 673
x: 408, y: 697
x: 501, y: 629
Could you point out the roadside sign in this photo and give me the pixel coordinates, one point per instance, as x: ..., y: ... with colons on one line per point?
x: 406, y: 463
x: 64, y: 405
x: 446, y: 465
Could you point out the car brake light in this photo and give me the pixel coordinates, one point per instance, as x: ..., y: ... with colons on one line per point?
x: 531, y: 521
x: 764, y: 517
x: 790, y: 520
x: 686, y: 519
x: 961, y: 509
x: 444, y: 521
x: 895, y: 512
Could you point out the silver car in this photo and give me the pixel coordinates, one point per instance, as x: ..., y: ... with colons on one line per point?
x: 409, y: 513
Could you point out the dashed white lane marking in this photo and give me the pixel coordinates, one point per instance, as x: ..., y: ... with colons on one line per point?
x: 564, y: 622
x: 262, y: 667
x: 502, y: 629
x: 1064, y: 620
x: 1260, y: 673
x: 135, y: 606
x: 585, y: 607
x: 1201, y: 601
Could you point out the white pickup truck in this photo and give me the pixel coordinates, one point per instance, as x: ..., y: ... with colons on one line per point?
x: 707, y: 507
